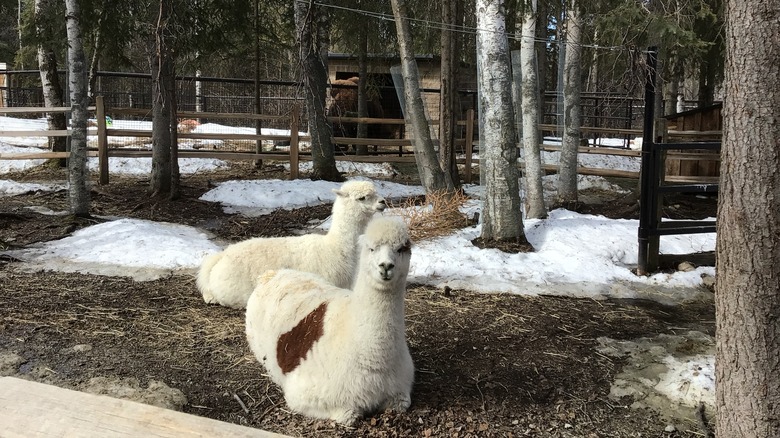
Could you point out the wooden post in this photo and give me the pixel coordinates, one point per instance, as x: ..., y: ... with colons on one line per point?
x: 294, y: 141
x: 102, y: 137
x: 469, y: 144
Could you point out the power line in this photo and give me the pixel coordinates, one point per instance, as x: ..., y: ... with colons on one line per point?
x: 469, y: 30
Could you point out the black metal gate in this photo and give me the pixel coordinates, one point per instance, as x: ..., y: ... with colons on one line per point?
x: 653, y: 185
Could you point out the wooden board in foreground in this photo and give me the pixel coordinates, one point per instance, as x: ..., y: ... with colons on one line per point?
x: 32, y: 410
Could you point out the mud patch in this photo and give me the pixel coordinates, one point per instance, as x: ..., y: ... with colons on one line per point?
x: 156, y: 393
x: 671, y: 374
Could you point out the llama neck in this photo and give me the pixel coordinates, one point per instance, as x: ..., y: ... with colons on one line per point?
x: 378, y: 308
x: 347, y: 226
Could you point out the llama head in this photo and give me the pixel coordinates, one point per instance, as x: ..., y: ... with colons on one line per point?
x: 359, y: 198
x: 385, y: 251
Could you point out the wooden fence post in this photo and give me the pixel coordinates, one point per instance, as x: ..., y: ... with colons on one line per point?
x: 294, y: 142
x: 102, y: 138
x: 469, y: 144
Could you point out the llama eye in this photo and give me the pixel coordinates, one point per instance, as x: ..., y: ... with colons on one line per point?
x: 406, y: 248
x: 362, y: 198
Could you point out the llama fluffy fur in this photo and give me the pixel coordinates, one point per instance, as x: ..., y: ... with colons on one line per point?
x: 228, y: 277
x: 360, y: 363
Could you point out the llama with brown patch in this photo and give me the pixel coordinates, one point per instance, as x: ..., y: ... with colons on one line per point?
x: 337, y: 353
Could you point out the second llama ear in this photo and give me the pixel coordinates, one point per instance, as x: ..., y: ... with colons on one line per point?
x: 339, y: 192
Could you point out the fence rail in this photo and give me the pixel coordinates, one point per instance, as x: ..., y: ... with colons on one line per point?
x: 384, y: 150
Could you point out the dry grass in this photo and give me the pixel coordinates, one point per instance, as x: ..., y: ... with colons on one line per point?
x: 439, y: 215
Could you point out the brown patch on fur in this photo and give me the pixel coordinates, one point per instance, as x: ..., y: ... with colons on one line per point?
x: 292, y: 347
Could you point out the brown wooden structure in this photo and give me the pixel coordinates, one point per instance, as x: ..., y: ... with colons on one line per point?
x: 345, y: 66
x: 700, y: 124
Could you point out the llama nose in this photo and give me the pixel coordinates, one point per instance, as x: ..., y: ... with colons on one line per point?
x: 386, y: 268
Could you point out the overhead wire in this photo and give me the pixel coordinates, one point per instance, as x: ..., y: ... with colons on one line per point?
x: 470, y: 30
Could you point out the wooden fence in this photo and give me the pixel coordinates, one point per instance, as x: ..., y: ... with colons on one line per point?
x: 384, y: 150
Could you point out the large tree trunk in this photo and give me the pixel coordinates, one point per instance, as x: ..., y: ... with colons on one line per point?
x: 447, y: 113
x: 747, y: 299
x: 312, y: 32
x: 530, y: 91
x: 78, y: 175
x: 432, y: 176
x: 501, y: 208
x: 163, y: 82
x: 567, y: 172
x: 50, y: 81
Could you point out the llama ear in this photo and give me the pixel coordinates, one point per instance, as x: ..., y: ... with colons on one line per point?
x: 339, y: 192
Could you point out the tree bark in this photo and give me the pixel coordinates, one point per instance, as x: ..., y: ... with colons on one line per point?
x: 432, y: 177
x: 362, y: 104
x: 572, y: 82
x: 312, y: 32
x: 501, y: 208
x: 97, y: 49
x: 447, y: 95
x: 163, y: 80
x: 50, y: 80
x: 747, y: 299
x: 530, y: 91
x: 78, y: 175
x: 541, y: 49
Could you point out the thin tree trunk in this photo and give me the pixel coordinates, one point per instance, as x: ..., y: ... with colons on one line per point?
x: 672, y: 88
x: 447, y: 113
x: 593, y: 72
x: 97, y: 49
x: 432, y: 177
x: 175, y: 192
x: 312, y: 31
x: 502, y: 218
x: 532, y: 157
x: 567, y: 171
x: 258, y: 104
x: 50, y: 80
x: 362, y: 103
x: 78, y: 174
x: 162, y: 107
x: 541, y: 50
x: 747, y: 298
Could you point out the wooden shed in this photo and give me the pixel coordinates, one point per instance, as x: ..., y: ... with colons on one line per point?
x: 345, y: 66
x: 700, y: 124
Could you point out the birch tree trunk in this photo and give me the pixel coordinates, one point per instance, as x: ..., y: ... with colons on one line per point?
x: 501, y: 207
x: 312, y: 33
x: 572, y: 84
x: 432, y: 176
x: 50, y: 80
x: 531, y: 155
x: 747, y: 298
x: 78, y: 174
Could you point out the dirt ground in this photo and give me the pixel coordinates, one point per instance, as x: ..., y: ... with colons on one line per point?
x: 487, y: 365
